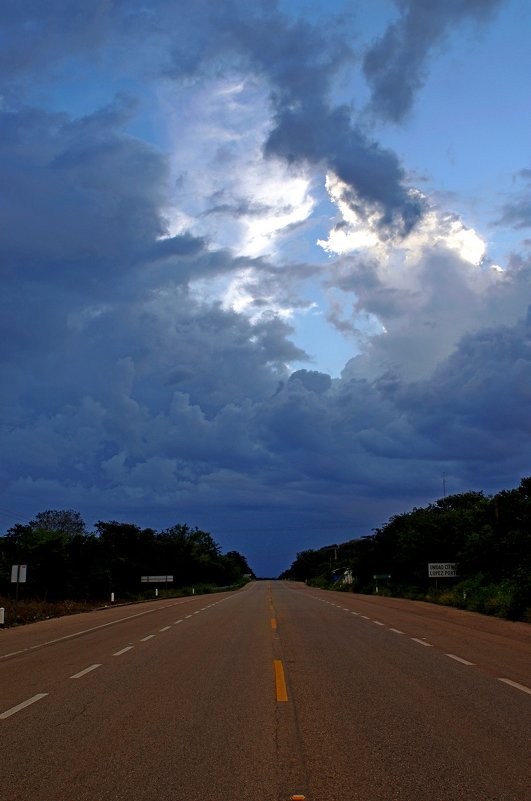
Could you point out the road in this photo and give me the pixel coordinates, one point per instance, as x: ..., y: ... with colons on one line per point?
x: 257, y: 695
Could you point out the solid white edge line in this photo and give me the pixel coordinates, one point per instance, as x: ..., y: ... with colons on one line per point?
x: 23, y: 705
x: 521, y: 687
x: 84, y: 672
x: 460, y: 659
x: 14, y: 653
x: 422, y: 642
x: 123, y: 651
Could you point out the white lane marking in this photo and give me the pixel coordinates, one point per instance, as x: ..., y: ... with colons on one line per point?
x: 187, y: 616
x: 365, y: 617
x: 354, y: 613
x: 459, y: 659
x: 521, y: 687
x: 396, y: 631
x: 149, y: 637
x: 123, y: 651
x: 93, y: 628
x: 378, y: 623
x: 178, y: 621
x: 13, y: 653
x: 164, y: 629
x: 84, y: 672
x: 196, y: 613
x: 23, y: 705
x: 422, y: 642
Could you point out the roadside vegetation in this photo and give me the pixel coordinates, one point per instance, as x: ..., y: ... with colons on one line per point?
x: 70, y: 569
x: 489, y: 537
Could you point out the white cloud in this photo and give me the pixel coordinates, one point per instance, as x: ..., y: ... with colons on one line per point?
x: 232, y: 195
x: 359, y: 230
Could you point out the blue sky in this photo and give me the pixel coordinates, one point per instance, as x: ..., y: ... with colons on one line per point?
x: 265, y: 267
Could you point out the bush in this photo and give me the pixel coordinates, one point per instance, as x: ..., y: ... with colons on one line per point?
x: 32, y: 610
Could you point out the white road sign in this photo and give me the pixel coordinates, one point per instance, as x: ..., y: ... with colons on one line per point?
x: 442, y: 569
x: 18, y: 574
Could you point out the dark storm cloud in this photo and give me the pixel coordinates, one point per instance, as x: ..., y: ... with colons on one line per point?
x: 396, y: 65
x: 474, y: 411
x: 80, y: 198
x: 517, y: 213
x: 36, y: 36
x: 318, y: 134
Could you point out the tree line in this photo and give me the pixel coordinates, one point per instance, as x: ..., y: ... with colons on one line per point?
x: 488, y: 537
x: 65, y: 561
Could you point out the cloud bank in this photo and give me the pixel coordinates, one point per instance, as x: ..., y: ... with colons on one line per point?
x: 157, y: 253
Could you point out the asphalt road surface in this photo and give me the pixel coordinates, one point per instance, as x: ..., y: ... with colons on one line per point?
x: 258, y: 695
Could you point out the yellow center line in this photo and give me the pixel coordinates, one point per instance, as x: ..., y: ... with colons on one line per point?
x: 273, y: 624
x: 282, y: 693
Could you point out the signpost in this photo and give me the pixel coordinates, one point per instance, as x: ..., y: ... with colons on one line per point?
x: 378, y: 576
x: 18, y: 576
x: 442, y: 569
x: 439, y: 570
x: 156, y: 580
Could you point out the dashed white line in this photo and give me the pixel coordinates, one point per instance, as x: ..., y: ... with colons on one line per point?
x: 164, y: 629
x: 177, y: 621
x: 365, y: 617
x: 515, y: 684
x: 149, y: 637
x: 23, y: 705
x: 187, y: 616
x: 459, y: 659
x: 123, y: 651
x: 378, y: 623
x: 84, y: 672
x: 396, y: 631
x: 87, y: 631
x: 422, y: 642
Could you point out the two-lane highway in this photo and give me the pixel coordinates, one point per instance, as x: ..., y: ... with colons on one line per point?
x: 271, y: 691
